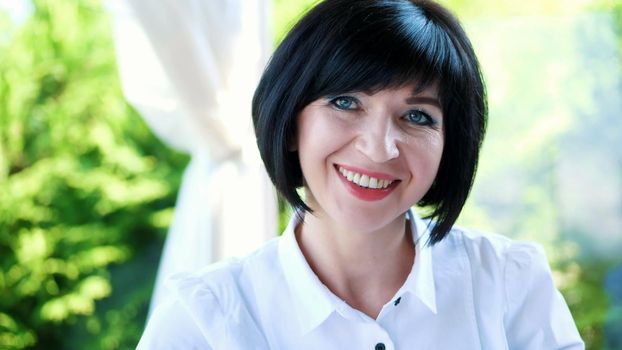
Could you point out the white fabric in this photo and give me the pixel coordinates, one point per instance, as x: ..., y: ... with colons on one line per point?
x: 470, y: 291
x: 190, y: 67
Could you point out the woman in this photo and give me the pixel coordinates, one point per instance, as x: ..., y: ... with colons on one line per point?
x: 371, y: 107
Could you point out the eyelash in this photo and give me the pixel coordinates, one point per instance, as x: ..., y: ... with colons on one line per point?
x: 335, y: 102
x: 428, y: 120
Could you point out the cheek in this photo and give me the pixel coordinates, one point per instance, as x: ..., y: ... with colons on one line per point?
x: 434, y: 147
x: 424, y: 156
x: 320, y: 135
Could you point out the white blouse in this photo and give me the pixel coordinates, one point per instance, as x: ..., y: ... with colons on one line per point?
x: 469, y: 291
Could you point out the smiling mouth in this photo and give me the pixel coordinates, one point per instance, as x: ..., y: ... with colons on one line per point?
x: 364, y: 181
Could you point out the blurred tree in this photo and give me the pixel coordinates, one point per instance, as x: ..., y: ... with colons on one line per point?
x: 86, y: 191
x: 286, y: 13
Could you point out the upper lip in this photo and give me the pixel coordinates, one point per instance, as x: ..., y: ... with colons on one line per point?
x: 370, y: 173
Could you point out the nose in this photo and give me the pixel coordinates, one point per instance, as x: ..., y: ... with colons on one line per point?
x: 378, y: 141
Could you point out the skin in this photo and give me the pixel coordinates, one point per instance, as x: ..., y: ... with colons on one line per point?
x: 363, y: 250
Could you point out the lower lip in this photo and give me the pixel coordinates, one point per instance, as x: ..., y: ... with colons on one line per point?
x: 367, y: 194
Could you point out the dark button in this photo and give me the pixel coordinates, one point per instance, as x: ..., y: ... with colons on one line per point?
x: 397, y: 301
x: 380, y: 346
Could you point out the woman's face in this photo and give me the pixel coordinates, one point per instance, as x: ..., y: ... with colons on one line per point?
x: 367, y: 158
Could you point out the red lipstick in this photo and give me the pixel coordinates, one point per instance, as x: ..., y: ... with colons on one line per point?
x: 364, y: 193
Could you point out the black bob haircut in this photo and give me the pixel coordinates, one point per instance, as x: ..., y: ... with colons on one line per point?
x: 343, y: 46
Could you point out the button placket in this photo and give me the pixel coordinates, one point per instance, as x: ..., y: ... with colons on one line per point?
x: 376, y: 336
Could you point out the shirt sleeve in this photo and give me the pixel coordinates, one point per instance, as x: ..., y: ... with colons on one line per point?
x: 537, y: 316
x: 171, y: 327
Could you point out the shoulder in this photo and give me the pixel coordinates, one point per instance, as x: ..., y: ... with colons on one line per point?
x: 209, y: 305
x: 498, y: 265
x: 492, y: 249
x: 223, y: 283
x: 515, y: 276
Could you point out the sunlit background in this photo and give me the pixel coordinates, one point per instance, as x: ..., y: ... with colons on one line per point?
x: 87, y: 192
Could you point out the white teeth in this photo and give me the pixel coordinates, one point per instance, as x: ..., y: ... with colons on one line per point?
x: 364, y: 180
x: 356, y: 179
x: 373, y: 183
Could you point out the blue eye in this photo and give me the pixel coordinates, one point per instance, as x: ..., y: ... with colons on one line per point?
x: 419, y: 118
x: 344, y: 102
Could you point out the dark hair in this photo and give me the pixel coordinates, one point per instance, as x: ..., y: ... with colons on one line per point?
x: 367, y: 45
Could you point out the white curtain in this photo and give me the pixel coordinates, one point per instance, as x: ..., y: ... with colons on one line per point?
x: 190, y: 67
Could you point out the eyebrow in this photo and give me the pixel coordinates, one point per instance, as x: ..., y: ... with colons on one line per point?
x: 423, y: 100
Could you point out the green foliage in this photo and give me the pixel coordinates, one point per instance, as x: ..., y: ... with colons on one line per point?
x: 583, y: 289
x: 84, y: 186
x: 469, y: 9
x: 286, y: 13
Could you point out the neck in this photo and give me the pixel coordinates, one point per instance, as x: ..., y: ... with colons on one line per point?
x: 363, y: 268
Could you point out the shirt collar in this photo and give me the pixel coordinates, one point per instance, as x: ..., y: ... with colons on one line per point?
x: 312, y: 299
x: 314, y: 302
x: 420, y: 281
